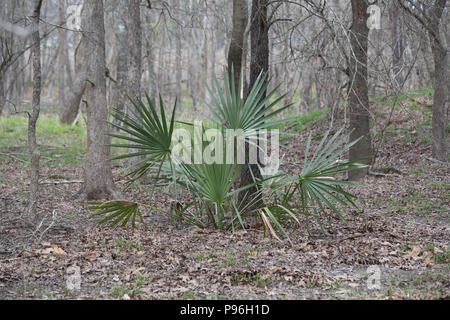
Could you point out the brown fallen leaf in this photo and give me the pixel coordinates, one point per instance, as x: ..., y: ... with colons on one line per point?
x: 415, y: 253
x: 58, y: 250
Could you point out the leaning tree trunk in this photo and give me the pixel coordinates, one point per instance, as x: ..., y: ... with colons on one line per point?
x: 33, y: 117
x: 259, y: 62
x: 98, y: 175
x: 440, y: 56
x: 358, y: 97
x: 72, y: 104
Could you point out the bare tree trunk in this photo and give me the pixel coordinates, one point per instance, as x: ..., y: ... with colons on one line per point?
x: 61, y: 57
x: 178, y: 57
x: 205, y: 56
x: 68, y: 68
x: 33, y: 117
x: 98, y: 174
x: 150, y: 49
x: 245, y: 51
x: 440, y: 56
x: 235, y: 53
x: 120, y: 88
x: 135, y: 46
x: 2, y: 94
x: 397, y: 42
x: 358, y: 96
x: 259, y: 62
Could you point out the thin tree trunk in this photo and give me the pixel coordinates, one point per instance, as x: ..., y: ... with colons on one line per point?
x: 61, y: 57
x: 178, y: 58
x: 440, y: 56
x: 2, y: 94
x: 358, y: 96
x: 397, y: 42
x: 134, y: 45
x: 235, y: 53
x: 120, y: 88
x: 36, y: 106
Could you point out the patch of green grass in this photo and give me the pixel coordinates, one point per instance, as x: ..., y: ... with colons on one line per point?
x: 416, y: 202
x: 403, y: 96
x: 119, y: 291
x: 133, y: 290
x: 439, y: 256
x: 126, y: 245
x: 59, y: 143
x: 202, y: 256
x: 307, y: 120
x: 256, y: 280
x: 188, y: 295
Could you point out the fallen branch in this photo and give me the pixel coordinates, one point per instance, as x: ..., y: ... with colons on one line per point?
x: 380, y: 174
x: 14, y: 157
x: 353, y: 236
x: 438, y: 161
x: 61, y: 181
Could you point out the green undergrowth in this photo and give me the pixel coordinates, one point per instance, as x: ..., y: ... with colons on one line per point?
x: 59, y: 144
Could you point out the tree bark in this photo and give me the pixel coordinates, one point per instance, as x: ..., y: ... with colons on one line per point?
x: 120, y: 88
x: 440, y: 56
x: 98, y: 174
x: 2, y: 94
x: 134, y: 46
x: 33, y: 117
x: 234, y: 59
x: 178, y: 58
x: 358, y: 97
x: 259, y: 62
x: 397, y: 42
x: 61, y: 57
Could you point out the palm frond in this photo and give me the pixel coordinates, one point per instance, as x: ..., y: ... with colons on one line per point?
x: 316, y: 183
x: 117, y: 211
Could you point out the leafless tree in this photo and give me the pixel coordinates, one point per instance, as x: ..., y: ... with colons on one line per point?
x: 33, y: 117
x: 98, y: 174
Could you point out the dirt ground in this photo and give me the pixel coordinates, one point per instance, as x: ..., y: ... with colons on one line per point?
x: 396, y: 248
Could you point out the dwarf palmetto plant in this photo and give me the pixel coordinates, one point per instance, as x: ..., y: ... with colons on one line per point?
x: 211, y: 186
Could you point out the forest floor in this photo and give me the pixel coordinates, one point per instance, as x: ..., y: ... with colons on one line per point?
x: 402, y: 236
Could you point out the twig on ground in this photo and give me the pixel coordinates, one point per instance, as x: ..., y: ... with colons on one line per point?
x: 14, y: 157
x: 379, y: 174
x: 438, y: 161
x: 61, y: 181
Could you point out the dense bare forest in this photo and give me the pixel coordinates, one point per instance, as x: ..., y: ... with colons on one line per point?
x: 224, y: 149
